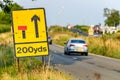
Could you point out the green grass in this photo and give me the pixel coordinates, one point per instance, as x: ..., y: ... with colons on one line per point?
x: 31, y: 68
x: 85, y: 28
x: 6, y: 56
x: 5, y: 28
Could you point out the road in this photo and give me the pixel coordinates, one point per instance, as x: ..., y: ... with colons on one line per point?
x: 79, y: 31
x: 89, y: 67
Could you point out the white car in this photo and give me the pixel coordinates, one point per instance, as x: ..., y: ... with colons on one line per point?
x: 76, y: 45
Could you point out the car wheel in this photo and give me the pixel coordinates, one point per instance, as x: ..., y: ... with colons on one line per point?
x: 82, y: 54
x: 51, y: 42
x: 68, y: 53
x: 65, y: 52
x: 86, y: 53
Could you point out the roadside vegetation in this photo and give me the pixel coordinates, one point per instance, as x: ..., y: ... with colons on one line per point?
x: 5, y: 28
x: 84, y: 28
x: 105, y: 45
x: 31, y: 68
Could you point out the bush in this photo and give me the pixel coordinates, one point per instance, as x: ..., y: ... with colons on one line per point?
x: 5, y: 28
x: 84, y: 28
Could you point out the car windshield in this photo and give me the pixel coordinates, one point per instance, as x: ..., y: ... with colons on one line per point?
x: 78, y: 41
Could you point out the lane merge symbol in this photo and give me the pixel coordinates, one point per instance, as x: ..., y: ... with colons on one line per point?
x: 23, y: 28
x: 35, y: 18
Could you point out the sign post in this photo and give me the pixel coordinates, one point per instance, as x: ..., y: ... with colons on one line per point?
x: 30, y: 33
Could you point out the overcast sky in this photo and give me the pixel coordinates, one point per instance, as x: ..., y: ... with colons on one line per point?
x: 81, y: 12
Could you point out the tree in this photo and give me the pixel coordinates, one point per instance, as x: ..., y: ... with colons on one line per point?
x: 113, y: 17
x: 7, y: 6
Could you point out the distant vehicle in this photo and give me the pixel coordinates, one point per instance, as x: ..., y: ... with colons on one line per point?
x: 97, y: 29
x: 49, y: 39
x: 76, y: 45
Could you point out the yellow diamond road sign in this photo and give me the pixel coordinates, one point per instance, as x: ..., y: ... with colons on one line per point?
x: 30, y: 32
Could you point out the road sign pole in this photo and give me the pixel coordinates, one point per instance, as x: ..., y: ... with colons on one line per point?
x: 44, y: 60
x: 18, y: 63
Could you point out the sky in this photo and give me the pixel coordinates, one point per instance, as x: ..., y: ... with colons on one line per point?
x: 74, y: 12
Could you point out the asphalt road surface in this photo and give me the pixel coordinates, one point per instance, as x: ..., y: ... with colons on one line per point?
x: 91, y: 67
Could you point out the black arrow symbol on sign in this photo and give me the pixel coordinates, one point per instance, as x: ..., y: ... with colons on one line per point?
x: 35, y: 18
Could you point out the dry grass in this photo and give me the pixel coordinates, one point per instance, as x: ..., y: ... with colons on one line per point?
x: 28, y: 71
x: 106, y: 46
x: 6, y: 38
x: 37, y: 74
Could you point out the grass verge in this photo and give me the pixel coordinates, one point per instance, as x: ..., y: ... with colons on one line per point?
x: 30, y: 68
x: 106, y: 45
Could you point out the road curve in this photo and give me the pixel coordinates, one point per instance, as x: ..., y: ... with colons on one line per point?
x: 89, y: 67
